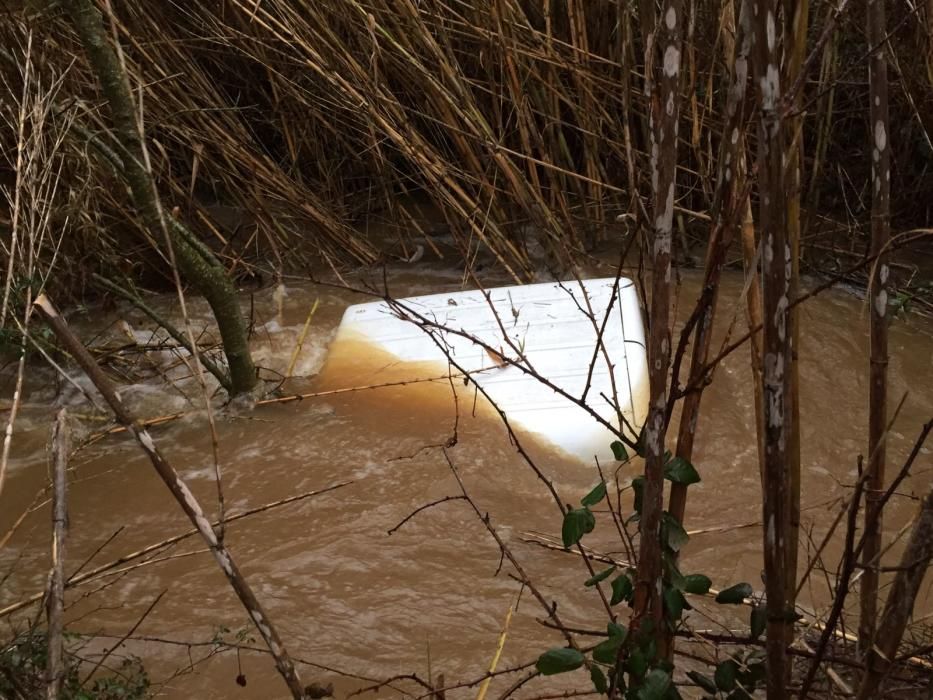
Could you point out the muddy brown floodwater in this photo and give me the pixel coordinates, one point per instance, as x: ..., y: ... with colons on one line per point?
x: 425, y: 599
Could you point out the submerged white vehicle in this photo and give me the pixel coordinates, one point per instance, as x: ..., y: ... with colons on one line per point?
x: 536, y: 352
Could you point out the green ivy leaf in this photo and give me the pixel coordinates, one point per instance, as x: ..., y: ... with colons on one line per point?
x: 606, y: 652
x: 599, y: 679
x: 602, y: 575
x: 621, y: 589
x: 651, y: 646
x: 734, y: 595
x: 619, y: 451
x: 638, y: 487
x: 698, y: 584
x: 673, y: 534
x: 636, y: 664
x: 595, y: 496
x: 559, y: 660
x: 759, y: 620
x: 577, y: 522
x: 614, y: 629
x: 705, y: 682
x: 680, y: 471
x: 671, y: 571
x: 674, y: 603
x: 725, y: 675
x: 656, y: 685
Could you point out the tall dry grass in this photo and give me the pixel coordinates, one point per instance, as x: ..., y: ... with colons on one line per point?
x: 524, y: 122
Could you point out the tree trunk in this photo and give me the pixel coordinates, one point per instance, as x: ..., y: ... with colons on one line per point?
x: 196, y: 264
x: 878, y: 363
x: 664, y: 121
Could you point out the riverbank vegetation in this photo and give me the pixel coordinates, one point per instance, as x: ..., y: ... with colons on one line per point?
x: 229, y: 145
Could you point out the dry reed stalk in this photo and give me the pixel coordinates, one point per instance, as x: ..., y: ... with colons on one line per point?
x: 309, y: 117
x: 795, y: 49
x: 39, y: 129
x: 182, y: 495
x: 495, y: 659
x: 826, y: 88
x: 301, y: 339
x: 878, y: 296
x: 55, y: 598
x: 755, y: 321
x: 728, y: 204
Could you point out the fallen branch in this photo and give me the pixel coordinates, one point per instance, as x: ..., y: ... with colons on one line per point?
x: 169, y: 417
x: 181, y: 492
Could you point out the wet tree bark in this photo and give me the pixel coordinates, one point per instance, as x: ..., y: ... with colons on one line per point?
x: 878, y: 363
x: 776, y: 273
x: 196, y: 264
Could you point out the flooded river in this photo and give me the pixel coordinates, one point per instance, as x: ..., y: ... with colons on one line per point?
x: 425, y: 599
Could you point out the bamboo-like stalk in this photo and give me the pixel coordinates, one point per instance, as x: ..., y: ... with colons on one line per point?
x: 795, y: 48
x: 823, y: 121
x: 753, y: 313
x: 776, y: 263
x: 56, y: 671
x: 742, y: 32
x: 878, y: 363
x: 727, y: 205
x: 664, y: 117
x: 182, y: 494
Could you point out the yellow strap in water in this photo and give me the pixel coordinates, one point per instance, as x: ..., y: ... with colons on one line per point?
x: 495, y: 659
x: 301, y: 339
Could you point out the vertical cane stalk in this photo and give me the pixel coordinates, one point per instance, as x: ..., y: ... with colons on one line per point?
x: 878, y: 362
x: 776, y: 273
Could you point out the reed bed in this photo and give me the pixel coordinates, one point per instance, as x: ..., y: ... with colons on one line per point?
x: 282, y: 131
